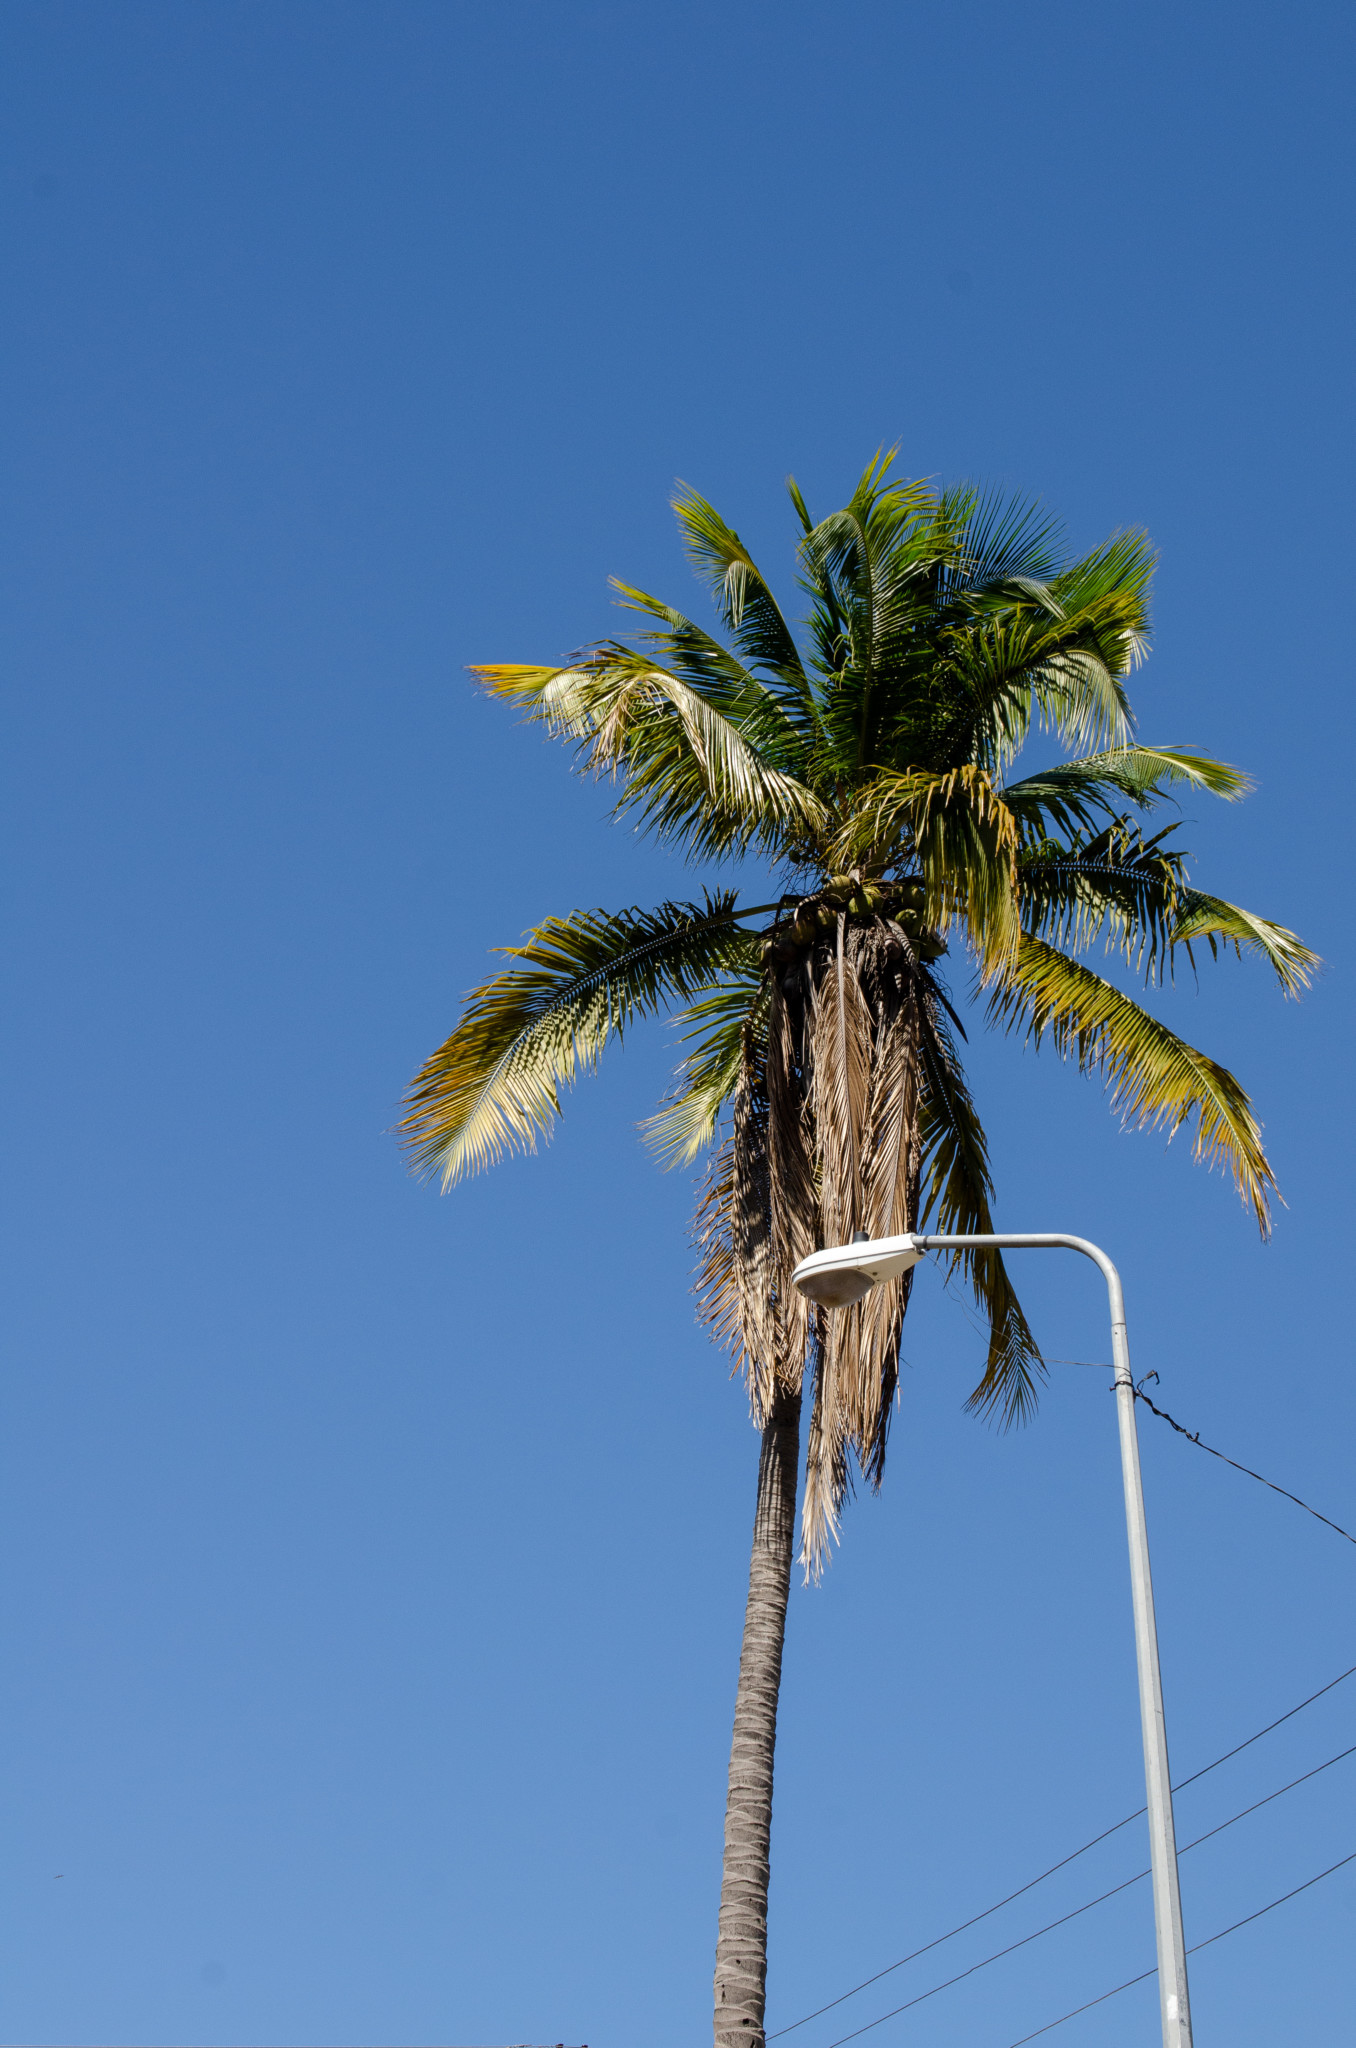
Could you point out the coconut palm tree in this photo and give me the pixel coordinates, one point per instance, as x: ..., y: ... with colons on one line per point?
x: 867, y: 763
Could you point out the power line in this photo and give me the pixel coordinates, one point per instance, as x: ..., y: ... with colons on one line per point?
x: 1193, y: 1950
x: 1193, y: 1437
x: 1087, y: 1907
x: 1073, y: 1856
x: 1210, y: 1832
x: 1238, y: 1749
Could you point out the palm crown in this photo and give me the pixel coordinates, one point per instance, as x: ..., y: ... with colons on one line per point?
x: 869, y: 764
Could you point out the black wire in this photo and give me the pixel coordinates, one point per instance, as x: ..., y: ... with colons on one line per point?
x: 1182, y: 1783
x: 998, y: 1955
x: 1064, y: 1918
x: 1210, y: 1832
x: 1207, y: 1943
x: 1193, y: 1437
x: 1031, y: 1883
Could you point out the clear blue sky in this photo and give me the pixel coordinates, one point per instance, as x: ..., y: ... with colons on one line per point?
x: 373, y: 1564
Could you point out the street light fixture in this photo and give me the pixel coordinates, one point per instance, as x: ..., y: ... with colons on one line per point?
x: 846, y: 1273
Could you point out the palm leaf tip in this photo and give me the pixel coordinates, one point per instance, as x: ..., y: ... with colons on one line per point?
x: 1014, y: 1372
x: 494, y: 1086
x: 1222, y: 924
x: 1156, y: 1080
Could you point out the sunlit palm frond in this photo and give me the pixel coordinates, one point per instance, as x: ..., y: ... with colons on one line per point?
x: 1117, y: 884
x: 745, y: 601
x: 685, y: 767
x: 1155, y: 1078
x: 1105, y: 597
x: 776, y: 720
x: 1224, y: 924
x: 956, y: 1186
x: 715, y: 1028
x: 1027, y: 662
x: 963, y: 838
x: 1078, y: 796
x: 494, y: 1085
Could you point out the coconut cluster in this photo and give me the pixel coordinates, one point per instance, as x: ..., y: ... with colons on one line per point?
x: 901, y: 904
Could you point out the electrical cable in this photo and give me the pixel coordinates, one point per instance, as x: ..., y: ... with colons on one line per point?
x: 1193, y: 1436
x: 1072, y: 1857
x: 1193, y: 1950
x: 1077, y: 1911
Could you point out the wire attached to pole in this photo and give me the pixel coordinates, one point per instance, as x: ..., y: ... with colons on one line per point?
x: 1194, y: 1437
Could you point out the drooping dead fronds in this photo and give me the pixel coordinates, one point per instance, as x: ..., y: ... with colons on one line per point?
x: 841, y: 1044
x: 759, y: 1214
x: 737, y: 1278
x: 792, y: 1185
x: 823, y: 1142
x: 866, y: 1121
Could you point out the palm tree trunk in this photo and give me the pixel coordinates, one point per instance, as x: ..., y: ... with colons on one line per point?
x: 741, y: 1944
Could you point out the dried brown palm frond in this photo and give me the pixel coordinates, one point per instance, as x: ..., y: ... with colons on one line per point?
x: 737, y: 1278
x: 792, y: 1181
x: 866, y: 1045
x: 841, y: 1042
x: 824, y: 1142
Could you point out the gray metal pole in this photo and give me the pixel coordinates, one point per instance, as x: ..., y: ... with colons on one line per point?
x: 1173, y: 1998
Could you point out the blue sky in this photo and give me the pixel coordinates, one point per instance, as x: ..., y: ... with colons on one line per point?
x: 373, y: 1563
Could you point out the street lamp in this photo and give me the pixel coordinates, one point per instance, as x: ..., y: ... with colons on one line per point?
x: 845, y: 1273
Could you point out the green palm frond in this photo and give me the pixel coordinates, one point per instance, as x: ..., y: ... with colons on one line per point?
x: 686, y: 767
x: 1156, y: 1079
x: 494, y: 1085
x: 870, y: 559
x: 1078, y: 796
x: 1001, y: 544
x: 1031, y: 661
x: 955, y: 1191
x: 715, y: 1028
x: 869, y: 569
x: 1135, y: 890
x: 1105, y: 596
x: 778, y: 721
x: 1117, y: 883
x: 746, y: 604
x: 1223, y: 924
x: 962, y: 836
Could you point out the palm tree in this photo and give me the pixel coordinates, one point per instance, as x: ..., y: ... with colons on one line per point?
x: 868, y: 764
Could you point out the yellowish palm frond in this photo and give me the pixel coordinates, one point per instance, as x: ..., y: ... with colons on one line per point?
x: 965, y: 841
x: 693, y: 774
x: 715, y: 1028
x: 1223, y: 924
x: 1156, y: 1079
x: 494, y: 1085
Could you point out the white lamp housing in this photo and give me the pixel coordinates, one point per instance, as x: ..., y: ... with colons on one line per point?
x: 845, y: 1272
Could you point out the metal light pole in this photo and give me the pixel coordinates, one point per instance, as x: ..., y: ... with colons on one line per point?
x: 845, y: 1273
